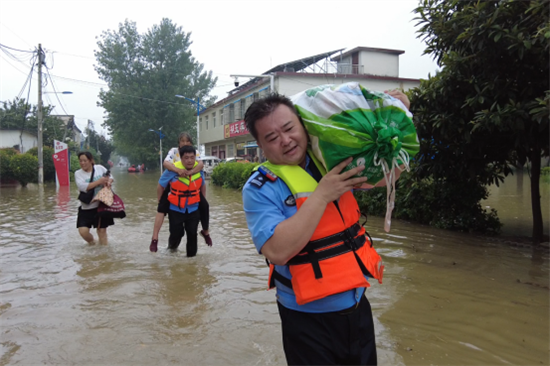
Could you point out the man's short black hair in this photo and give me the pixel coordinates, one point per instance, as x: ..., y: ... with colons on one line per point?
x: 186, y: 150
x: 263, y: 108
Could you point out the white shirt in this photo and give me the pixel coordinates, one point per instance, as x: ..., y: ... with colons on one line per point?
x: 82, y: 180
x: 174, y: 155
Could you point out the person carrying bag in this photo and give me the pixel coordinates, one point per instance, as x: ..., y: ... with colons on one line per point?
x: 88, y: 179
x: 88, y: 196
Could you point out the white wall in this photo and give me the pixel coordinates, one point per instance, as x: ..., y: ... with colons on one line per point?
x: 295, y: 84
x: 379, y: 63
x: 11, y: 138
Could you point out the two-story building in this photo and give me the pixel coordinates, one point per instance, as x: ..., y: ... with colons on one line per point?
x: 222, y: 128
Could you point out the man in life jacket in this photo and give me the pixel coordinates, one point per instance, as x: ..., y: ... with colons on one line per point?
x: 305, y: 221
x: 184, y: 198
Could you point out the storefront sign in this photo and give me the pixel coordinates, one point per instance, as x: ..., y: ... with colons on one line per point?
x: 226, y: 133
x: 237, y: 129
x: 61, y: 163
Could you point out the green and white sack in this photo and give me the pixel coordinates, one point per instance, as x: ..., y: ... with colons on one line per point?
x: 374, y: 128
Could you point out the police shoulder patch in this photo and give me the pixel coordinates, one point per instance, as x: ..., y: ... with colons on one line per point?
x: 290, y: 201
x: 258, y: 180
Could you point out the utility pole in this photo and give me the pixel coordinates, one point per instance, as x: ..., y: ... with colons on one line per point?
x: 40, y: 148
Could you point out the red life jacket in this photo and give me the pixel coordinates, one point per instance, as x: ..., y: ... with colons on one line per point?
x: 184, y: 191
x: 338, y: 256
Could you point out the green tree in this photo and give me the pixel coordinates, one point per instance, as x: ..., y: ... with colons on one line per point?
x: 144, y: 73
x: 97, y: 142
x: 487, y: 109
x: 49, y: 166
x: 19, y: 115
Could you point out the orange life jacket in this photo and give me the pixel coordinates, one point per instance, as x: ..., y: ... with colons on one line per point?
x: 338, y: 256
x: 184, y: 191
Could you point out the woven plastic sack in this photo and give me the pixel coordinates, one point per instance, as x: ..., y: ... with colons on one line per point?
x: 374, y: 128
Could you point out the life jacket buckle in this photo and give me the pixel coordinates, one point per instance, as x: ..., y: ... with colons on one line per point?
x: 349, y: 240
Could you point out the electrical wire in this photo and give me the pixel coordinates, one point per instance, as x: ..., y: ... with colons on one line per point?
x: 9, y: 63
x: 55, y: 91
x: 27, y: 104
x: 15, y: 34
x: 28, y: 80
x: 15, y: 49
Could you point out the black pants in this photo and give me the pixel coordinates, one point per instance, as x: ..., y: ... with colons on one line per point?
x: 180, y: 224
x: 339, y: 338
x: 204, y: 209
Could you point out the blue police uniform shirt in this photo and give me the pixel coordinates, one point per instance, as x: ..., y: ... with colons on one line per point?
x: 168, y: 177
x: 265, y: 208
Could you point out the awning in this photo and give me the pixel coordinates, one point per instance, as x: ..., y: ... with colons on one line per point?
x: 250, y: 146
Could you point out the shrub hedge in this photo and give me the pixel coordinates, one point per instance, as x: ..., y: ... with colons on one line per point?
x: 232, y: 175
x: 440, y: 204
x: 24, y: 167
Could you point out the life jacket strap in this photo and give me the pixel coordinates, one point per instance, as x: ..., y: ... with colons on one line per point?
x: 279, y: 277
x: 351, y: 243
x: 313, y: 252
x: 347, y: 234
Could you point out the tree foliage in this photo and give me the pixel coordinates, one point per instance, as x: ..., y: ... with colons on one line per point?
x: 49, y: 165
x: 19, y: 115
x: 24, y: 168
x: 487, y: 109
x: 144, y: 73
x: 96, y: 144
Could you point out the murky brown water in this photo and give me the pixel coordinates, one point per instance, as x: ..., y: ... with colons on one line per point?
x: 447, y: 298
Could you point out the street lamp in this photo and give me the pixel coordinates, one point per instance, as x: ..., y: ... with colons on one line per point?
x: 200, y: 108
x: 270, y: 76
x: 161, y: 136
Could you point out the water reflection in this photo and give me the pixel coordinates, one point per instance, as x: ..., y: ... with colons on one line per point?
x: 447, y: 298
x: 512, y: 199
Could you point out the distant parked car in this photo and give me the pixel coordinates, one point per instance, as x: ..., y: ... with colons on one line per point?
x: 236, y: 159
x: 210, y: 163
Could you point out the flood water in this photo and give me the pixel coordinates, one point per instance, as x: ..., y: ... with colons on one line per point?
x: 447, y: 298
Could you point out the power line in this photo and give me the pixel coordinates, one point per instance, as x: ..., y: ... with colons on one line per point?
x: 55, y: 91
x: 9, y: 63
x: 29, y: 80
x: 5, y: 26
x: 73, y: 55
x: 81, y: 81
x: 15, y: 49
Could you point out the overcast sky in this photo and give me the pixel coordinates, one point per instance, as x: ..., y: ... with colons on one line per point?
x: 229, y: 37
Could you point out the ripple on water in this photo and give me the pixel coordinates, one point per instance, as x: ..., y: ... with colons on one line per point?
x: 64, y: 302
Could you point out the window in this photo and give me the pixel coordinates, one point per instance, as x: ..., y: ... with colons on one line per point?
x: 206, y: 121
x: 231, y: 113
x: 255, y: 96
x: 230, y: 152
x: 248, y: 101
x: 214, y: 120
x: 243, y: 108
x: 237, y: 108
x: 200, y: 123
x: 221, y: 116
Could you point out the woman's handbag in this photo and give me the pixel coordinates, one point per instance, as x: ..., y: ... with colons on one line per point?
x: 88, y: 196
x: 115, y: 211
